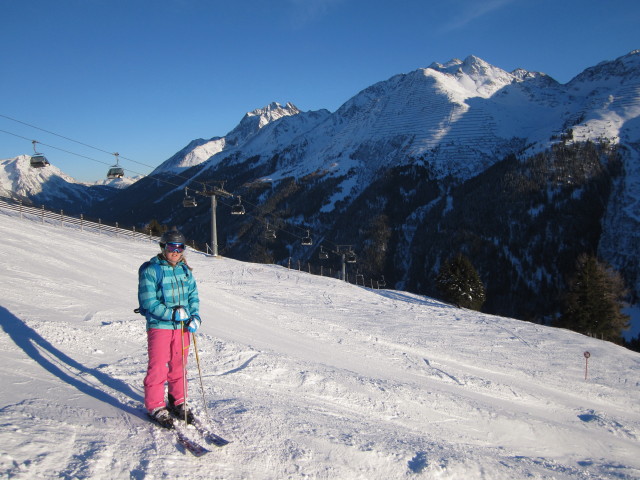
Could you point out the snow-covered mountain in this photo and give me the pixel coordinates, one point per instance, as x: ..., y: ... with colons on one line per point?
x: 19, y: 178
x: 252, y: 124
x: 458, y: 118
x: 53, y: 188
x: 444, y: 126
x: 119, y: 183
x: 309, y: 377
x: 517, y: 171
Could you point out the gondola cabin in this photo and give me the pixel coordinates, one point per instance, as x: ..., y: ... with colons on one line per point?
x: 237, y: 209
x: 115, y: 172
x: 38, y: 160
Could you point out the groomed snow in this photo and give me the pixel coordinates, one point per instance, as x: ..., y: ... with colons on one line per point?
x: 311, y: 378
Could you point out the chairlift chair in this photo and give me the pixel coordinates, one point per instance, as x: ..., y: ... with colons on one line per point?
x: 116, y: 171
x: 350, y: 257
x: 237, y: 209
x: 307, y: 240
x: 188, y: 200
x: 38, y: 160
x: 323, y: 255
x: 270, y: 233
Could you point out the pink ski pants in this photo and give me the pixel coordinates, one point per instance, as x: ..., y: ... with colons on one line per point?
x: 165, y: 365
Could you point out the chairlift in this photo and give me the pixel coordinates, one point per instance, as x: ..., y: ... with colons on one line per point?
x: 307, y: 240
x: 38, y: 160
x: 350, y: 257
x: 382, y: 282
x: 238, y: 209
x: 188, y: 200
x: 270, y: 233
x: 116, y: 171
x: 323, y: 255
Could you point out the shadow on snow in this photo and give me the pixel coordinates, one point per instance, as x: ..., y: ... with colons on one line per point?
x: 41, y: 351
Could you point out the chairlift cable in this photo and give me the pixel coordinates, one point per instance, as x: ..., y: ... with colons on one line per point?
x: 110, y: 153
x: 163, y: 180
x: 80, y: 143
x: 88, y: 158
x: 135, y: 172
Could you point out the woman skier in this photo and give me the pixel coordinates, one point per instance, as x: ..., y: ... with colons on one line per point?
x: 168, y: 298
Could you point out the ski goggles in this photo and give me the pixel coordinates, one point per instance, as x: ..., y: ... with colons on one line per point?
x: 174, y: 247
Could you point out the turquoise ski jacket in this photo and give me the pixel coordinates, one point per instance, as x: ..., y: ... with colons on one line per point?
x: 177, y: 287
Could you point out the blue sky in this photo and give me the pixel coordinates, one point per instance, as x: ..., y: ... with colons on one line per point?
x: 144, y: 78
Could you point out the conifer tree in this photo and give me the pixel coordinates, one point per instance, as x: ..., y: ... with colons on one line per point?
x: 155, y: 228
x: 459, y: 283
x: 595, y: 300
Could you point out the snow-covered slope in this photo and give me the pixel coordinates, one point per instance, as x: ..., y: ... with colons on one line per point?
x: 308, y: 376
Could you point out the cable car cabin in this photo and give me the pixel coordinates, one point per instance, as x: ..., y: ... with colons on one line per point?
x: 189, y: 202
x: 237, y: 210
x: 38, y: 160
x: 307, y: 240
x: 115, y: 172
x: 270, y: 233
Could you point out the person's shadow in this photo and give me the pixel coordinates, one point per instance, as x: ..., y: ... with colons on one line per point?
x: 59, y: 364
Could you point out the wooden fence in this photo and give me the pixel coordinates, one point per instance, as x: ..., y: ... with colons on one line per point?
x: 77, y: 222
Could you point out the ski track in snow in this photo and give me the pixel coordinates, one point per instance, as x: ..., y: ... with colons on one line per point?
x: 309, y: 377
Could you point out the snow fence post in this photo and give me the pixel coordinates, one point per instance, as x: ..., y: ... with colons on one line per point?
x: 586, y: 364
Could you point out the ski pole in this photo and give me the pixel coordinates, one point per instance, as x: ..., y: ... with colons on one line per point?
x: 184, y: 373
x: 195, y: 349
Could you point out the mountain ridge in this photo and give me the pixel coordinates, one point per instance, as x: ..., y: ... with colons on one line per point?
x: 397, y: 155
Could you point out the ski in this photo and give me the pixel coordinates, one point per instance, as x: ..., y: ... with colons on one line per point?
x: 188, y: 444
x: 193, y: 447
x: 208, y: 435
x: 203, y: 429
